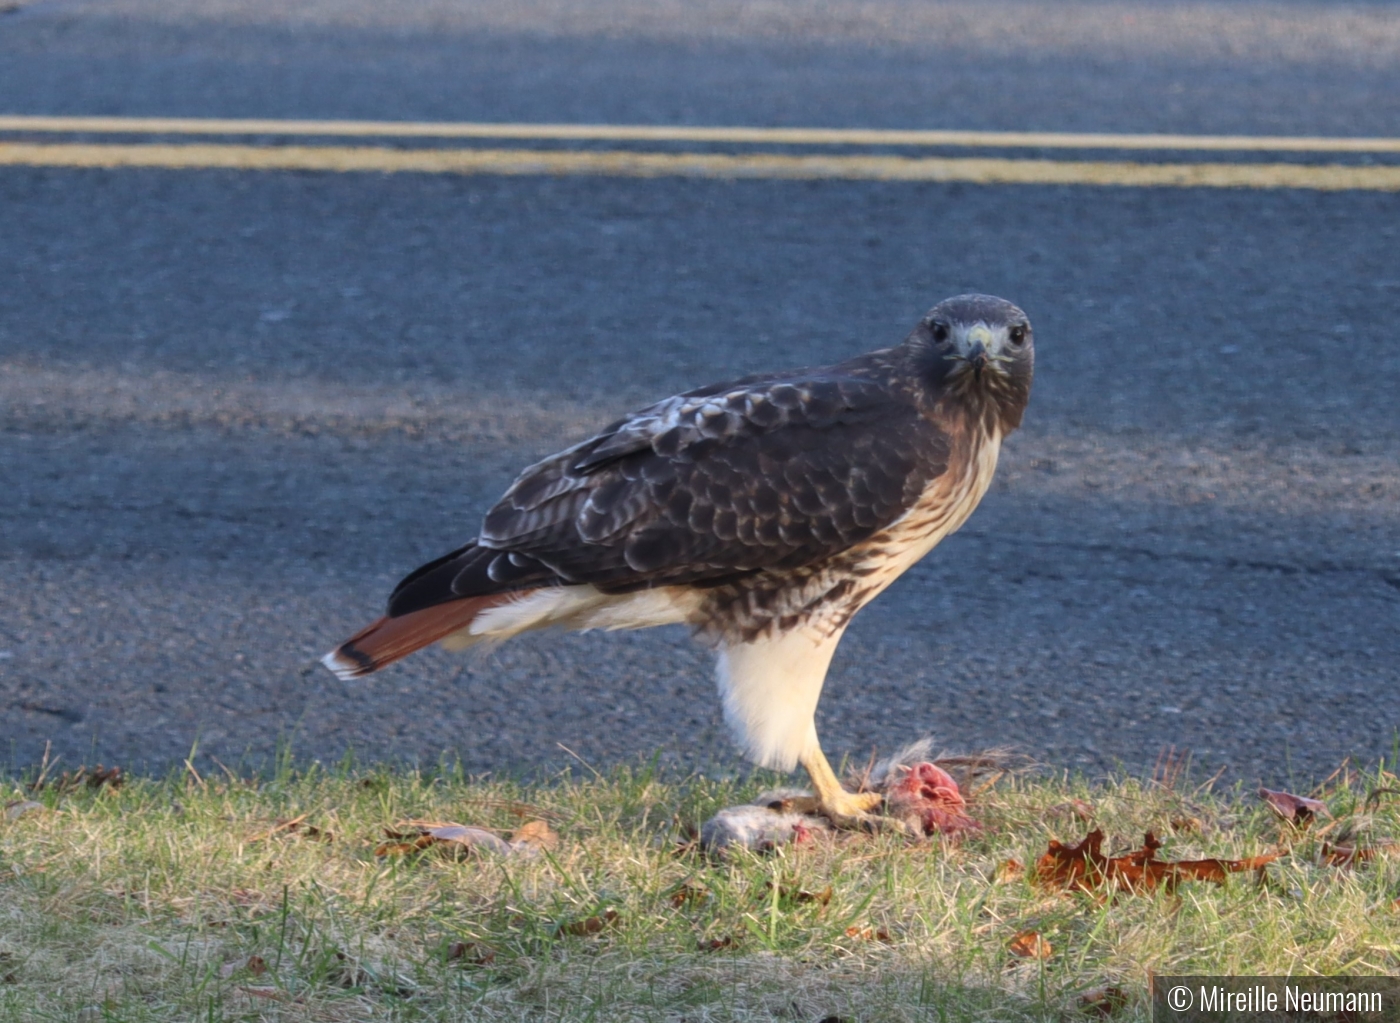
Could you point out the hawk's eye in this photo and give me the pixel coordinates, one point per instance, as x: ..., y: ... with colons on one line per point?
x: 1018, y: 335
x: 939, y: 331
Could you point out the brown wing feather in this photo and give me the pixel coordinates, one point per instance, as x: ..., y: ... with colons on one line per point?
x: 765, y: 474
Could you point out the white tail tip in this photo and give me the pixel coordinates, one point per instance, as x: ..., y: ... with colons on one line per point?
x: 344, y: 667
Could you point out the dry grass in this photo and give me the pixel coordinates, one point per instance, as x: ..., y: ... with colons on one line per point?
x: 183, y: 899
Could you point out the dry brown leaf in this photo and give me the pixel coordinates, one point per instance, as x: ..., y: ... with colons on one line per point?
x: 98, y: 777
x: 246, y: 897
x: 471, y: 953
x: 536, y: 834
x: 272, y: 994
x: 524, y: 811
x: 1103, y: 1001
x: 1350, y: 855
x: 1083, y: 867
x: 1010, y: 869
x: 459, y: 841
x: 1075, y: 808
x: 1296, y: 810
x: 591, y: 925
x: 1029, y: 945
x: 255, y: 966
x: 294, y: 826
x: 689, y: 890
x: 402, y: 848
x: 802, y: 895
x: 869, y: 934
x: 280, y: 825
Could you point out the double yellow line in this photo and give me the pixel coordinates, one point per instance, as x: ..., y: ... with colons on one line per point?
x: 752, y: 164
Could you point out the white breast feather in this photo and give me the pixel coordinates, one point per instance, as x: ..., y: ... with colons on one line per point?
x: 940, y: 511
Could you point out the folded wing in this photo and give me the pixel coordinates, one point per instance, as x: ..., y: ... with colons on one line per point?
x: 703, y: 488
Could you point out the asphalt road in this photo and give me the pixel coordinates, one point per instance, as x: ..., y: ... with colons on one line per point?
x: 236, y: 406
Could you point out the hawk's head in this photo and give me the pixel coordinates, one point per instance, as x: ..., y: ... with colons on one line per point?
x: 978, y: 347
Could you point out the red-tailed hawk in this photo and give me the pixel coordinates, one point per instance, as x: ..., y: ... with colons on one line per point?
x: 763, y: 513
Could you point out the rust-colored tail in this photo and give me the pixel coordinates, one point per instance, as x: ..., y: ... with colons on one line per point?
x: 388, y: 639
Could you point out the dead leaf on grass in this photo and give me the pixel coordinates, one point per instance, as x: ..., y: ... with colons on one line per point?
x: 96, y: 778
x: 1084, y: 868
x: 821, y: 897
x: 19, y: 807
x: 524, y: 811
x: 459, y: 841
x: 1103, y: 1001
x: 1296, y: 810
x: 294, y: 826
x: 1029, y: 945
x: 535, y: 834
x: 453, y: 840
x: 272, y: 994
x: 1010, y: 869
x: 471, y: 953
x: 1084, y: 811
x: 689, y: 890
x: 869, y: 934
x: 1350, y: 855
x: 256, y: 966
x: 590, y: 925
x: 247, y: 897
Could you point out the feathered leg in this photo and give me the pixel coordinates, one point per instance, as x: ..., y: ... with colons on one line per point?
x: 770, y: 687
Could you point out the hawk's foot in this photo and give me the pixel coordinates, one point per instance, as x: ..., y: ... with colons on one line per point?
x: 852, y: 811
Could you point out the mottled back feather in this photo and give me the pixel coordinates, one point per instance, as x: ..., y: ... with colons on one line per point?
x: 768, y: 473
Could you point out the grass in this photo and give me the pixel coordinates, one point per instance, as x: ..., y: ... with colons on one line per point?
x: 181, y: 899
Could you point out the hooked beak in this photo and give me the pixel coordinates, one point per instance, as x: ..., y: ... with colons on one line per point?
x: 977, y: 357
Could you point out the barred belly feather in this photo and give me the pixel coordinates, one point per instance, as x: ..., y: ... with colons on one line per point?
x: 776, y: 635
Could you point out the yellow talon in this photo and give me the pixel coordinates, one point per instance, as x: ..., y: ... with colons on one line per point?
x: 844, y: 809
